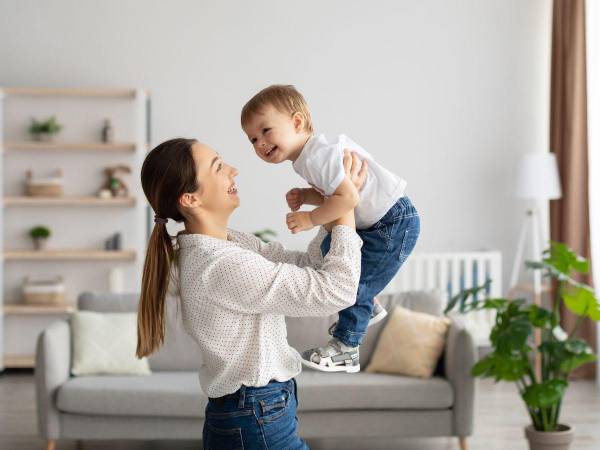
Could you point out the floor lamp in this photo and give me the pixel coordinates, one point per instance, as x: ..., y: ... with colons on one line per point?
x: 537, y: 180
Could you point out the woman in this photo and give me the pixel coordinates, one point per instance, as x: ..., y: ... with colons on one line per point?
x: 235, y: 293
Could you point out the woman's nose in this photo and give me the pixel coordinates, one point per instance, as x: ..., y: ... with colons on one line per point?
x: 233, y: 171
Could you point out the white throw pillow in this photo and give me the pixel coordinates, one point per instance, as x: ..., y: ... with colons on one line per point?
x: 105, y: 343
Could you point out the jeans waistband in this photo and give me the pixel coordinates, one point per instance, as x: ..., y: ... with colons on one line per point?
x: 245, y: 392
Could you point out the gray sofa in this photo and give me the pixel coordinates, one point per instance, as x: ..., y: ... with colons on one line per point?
x: 169, y: 404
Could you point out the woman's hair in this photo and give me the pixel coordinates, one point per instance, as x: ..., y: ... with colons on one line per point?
x: 168, y: 172
x: 284, y: 98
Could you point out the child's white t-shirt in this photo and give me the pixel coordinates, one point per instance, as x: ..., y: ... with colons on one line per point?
x: 321, y: 164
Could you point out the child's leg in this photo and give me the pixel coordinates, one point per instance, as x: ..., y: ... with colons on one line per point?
x: 386, y: 246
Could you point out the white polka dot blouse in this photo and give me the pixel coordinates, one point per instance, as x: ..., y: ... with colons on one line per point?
x: 235, y: 294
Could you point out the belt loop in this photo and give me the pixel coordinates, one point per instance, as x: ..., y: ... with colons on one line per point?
x: 242, y: 397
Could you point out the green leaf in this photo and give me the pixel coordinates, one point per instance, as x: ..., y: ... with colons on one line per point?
x: 500, y: 367
x: 467, y: 299
x: 581, y: 301
x: 541, y: 317
x: 544, y: 394
x: 573, y: 362
x: 512, y: 337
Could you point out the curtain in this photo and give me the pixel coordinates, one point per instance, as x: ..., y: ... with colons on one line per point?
x: 569, y: 216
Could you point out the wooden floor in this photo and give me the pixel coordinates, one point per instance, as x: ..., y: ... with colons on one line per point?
x: 500, y: 417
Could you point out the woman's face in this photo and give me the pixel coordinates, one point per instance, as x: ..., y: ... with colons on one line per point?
x: 217, y: 192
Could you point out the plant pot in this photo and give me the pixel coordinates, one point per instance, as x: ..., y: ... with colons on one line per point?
x: 40, y: 243
x: 550, y: 440
x: 43, y: 137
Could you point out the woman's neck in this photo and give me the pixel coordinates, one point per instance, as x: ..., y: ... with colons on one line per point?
x: 213, y: 227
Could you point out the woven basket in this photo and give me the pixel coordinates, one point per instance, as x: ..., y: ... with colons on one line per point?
x: 51, y: 292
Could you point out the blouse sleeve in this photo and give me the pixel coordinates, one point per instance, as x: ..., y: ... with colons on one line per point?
x: 248, y: 283
x: 276, y: 252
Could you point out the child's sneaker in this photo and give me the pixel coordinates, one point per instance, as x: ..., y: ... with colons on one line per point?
x: 334, y: 357
x: 378, y: 314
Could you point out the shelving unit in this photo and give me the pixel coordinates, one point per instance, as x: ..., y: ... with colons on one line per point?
x: 18, y: 310
x: 81, y: 221
x: 70, y: 146
x: 69, y: 255
x: 68, y: 201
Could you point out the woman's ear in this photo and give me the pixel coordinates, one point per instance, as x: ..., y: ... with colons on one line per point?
x: 298, y: 121
x: 190, y: 200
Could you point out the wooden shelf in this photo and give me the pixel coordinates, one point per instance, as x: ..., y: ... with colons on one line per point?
x: 69, y: 255
x: 70, y: 92
x: 68, y: 201
x: 19, y: 362
x: 21, y: 309
x: 70, y: 146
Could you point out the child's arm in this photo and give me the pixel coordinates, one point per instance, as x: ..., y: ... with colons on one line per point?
x: 303, y: 196
x: 312, y: 197
x: 343, y: 199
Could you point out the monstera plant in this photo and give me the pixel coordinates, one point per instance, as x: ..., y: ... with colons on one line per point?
x: 513, y: 351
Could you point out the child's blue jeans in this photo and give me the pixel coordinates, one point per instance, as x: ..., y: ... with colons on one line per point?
x: 254, y: 418
x: 386, y: 245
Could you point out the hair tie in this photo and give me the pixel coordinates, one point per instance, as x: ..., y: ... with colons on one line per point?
x: 160, y: 220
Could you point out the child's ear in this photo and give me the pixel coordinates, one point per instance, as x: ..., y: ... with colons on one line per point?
x: 298, y: 120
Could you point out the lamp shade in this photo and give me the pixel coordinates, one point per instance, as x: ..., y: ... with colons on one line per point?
x: 537, y: 177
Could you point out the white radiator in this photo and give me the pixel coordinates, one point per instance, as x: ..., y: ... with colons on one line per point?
x: 450, y: 273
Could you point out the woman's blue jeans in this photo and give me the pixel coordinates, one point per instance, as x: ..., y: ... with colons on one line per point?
x: 386, y: 246
x: 254, y: 418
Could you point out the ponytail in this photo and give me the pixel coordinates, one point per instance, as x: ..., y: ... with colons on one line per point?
x: 155, y: 282
x: 168, y: 172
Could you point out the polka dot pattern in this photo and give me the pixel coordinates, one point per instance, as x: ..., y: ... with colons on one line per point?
x: 235, y: 294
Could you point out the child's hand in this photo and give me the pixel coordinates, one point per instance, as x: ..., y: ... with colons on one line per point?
x: 299, y: 221
x: 295, y: 198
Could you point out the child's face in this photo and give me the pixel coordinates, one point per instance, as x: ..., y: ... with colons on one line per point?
x: 276, y: 136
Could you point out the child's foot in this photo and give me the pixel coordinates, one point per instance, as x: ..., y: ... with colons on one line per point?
x: 333, y: 357
x: 378, y: 314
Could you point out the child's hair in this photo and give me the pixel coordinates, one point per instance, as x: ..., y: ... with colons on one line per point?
x: 285, y: 99
x: 168, y: 172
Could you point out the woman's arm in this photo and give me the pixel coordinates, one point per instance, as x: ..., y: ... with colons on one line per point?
x: 244, y: 281
x: 276, y: 252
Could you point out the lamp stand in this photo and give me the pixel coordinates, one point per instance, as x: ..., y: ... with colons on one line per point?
x: 532, y: 223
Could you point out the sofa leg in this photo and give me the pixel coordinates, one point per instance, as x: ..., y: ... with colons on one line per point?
x: 51, y: 444
x: 462, y: 443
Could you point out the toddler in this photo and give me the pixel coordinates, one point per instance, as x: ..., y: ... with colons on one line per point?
x: 278, y: 123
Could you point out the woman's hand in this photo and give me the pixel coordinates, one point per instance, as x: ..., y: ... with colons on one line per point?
x: 355, y: 169
x: 356, y: 172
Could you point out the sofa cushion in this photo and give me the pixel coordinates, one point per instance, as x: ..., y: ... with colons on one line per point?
x: 167, y: 394
x: 410, y: 344
x: 178, y: 394
x: 318, y: 391
x: 310, y: 332
x: 104, y: 343
x: 178, y: 352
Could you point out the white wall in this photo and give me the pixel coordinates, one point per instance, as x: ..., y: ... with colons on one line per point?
x: 446, y: 94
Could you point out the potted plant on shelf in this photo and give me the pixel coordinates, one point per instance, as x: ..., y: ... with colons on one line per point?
x: 44, y: 130
x: 40, y: 235
x: 559, y: 352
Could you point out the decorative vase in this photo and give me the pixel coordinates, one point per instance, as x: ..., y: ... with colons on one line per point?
x: 550, y: 440
x: 40, y: 243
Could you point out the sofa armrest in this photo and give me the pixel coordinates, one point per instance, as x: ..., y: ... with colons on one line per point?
x: 459, y: 358
x: 52, y: 369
